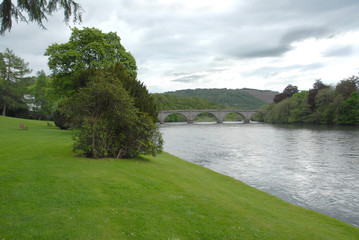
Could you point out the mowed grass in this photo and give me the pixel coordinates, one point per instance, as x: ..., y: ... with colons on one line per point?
x: 47, y: 192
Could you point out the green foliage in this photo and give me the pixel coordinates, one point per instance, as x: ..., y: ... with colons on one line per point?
x: 349, y: 115
x: 347, y: 86
x: 94, y: 83
x: 300, y: 109
x: 37, y: 11
x: 42, y: 105
x: 89, y: 48
x: 61, y: 120
x: 109, y: 123
x: 289, y: 91
x: 228, y: 98
x: 318, y: 85
x: 143, y: 100
x: 321, y: 105
x: 13, y: 86
x: 168, y: 101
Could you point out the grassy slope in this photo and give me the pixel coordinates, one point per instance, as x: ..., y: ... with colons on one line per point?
x: 46, y: 192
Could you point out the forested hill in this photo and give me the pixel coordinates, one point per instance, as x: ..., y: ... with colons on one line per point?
x: 265, y: 95
x: 173, y: 102
x: 225, y: 98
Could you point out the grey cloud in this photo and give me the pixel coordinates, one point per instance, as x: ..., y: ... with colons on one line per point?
x: 189, y: 79
x: 264, y: 52
x: 339, y: 51
x: 268, y: 28
x: 268, y: 72
x: 305, y: 33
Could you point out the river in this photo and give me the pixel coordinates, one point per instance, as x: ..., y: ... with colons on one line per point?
x: 315, y: 167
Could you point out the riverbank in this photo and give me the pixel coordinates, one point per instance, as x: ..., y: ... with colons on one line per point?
x: 49, y: 193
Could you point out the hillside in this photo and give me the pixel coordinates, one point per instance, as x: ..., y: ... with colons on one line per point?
x: 229, y: 98
x: 265, y: 95
x: 173, y: 102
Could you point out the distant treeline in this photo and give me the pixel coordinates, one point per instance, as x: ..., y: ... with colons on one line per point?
x: 323, y: 104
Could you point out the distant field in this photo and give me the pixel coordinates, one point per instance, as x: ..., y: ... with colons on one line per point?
x: 47, y: 192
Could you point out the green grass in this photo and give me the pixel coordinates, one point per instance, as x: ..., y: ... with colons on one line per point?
x: 47, y: 192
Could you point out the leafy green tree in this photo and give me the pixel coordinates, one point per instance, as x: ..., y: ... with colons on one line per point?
x: 109, y: 123
x: 89, y: 48
x: 347, y: 86
x: 73, y: 63
x: 289, y: 91
x: 278, y: 112
x: 13, y: 84
x: 37, y: 11
x: 42, y: 106
x: 143, y: 100
x: 300, y: 108
x: 318, y: 85
x: 323, y: 113
x: 350, y: 111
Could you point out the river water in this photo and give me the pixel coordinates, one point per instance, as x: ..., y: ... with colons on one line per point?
x: 314, y: 167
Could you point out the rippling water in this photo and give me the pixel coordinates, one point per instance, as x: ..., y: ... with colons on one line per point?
x: 312, y: 167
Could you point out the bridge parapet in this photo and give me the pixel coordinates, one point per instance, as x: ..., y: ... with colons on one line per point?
x: 220, y: 114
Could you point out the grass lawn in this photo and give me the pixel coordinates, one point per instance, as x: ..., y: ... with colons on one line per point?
x: 47, y: 192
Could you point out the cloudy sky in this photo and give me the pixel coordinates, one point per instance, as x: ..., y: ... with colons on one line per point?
x: 182, y: 44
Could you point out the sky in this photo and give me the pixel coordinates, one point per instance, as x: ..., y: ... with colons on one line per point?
x: 188, y: 44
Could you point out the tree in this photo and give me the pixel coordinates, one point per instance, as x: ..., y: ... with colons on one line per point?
x: 143, y: 100
x: 287, y: 92
x: 42, y: 106
x: 318, y: 85
x: 347, y: 86
x: 13, y: 84
x: 37, y: 11
x: 349, y: 114
x: 73, y: 64
x: 300, y: 108
x: 89, y: 48
x: 109, y: 123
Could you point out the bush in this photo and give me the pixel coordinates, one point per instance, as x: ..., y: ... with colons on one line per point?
x: 61, y: 120
x: 109, y: 123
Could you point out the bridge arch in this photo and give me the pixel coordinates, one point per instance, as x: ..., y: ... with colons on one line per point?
x: 208, y: 113
x: 177, y: 117
x: 236, y: 113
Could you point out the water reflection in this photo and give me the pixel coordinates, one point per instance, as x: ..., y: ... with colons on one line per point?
x: 310, y: 166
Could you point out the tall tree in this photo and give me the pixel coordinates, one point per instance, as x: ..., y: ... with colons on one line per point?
x: 318, y: 85
x: 42, y: 106
x: 289, y: 91
x: 347, y: 86
x: 13, y: 84
x: 37, y: 11
x: 89, y: 48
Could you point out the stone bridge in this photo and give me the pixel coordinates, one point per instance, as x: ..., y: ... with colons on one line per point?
x: 220, y: 114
